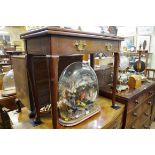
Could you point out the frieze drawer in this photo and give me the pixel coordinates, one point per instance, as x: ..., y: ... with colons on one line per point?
x: 136, y: 117
x: 138, y: 100
x: 82, y: 45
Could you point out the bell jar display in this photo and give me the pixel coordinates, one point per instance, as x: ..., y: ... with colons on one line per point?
x: 123, y: 75
x: 78, y: 89
x: 8, y: 84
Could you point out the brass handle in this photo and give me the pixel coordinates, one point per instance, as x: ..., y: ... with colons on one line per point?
x: 135, y: 114
x: 108, y: 46
x: 146, y: 114
x: 80, y: 45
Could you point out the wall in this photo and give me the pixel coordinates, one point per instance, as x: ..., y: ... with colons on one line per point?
x: 14, y: 32
x: 152, y: 50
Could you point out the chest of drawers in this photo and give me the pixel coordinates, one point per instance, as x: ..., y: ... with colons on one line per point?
x: 139, y: 105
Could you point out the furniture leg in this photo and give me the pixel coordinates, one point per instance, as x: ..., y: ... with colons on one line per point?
x: 32, y: 107
x: 54, y: 62
x: 92, y: 60
x: 37, y: 119
x: 115, y: 77
x: 32, y: 114
x: 18, y: 103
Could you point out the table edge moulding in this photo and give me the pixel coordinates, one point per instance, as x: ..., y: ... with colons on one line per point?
x: 54, y: 42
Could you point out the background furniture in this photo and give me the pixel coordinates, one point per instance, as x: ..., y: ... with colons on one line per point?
x: 139, y: 105
x: 21, y: 80
x: 55, y: 42
x: 150, y: 73
x: 8, y: 102
x: 40, y: 75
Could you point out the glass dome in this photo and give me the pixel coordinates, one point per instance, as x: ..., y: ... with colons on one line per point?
x: 78, y: 89
x: 8, y: 84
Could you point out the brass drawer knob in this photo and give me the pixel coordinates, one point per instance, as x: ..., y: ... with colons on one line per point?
x: 136, y: 102
x: 80, y: 45
x: 108, y: 46
x: 135, y: 114
x: 149, y: 102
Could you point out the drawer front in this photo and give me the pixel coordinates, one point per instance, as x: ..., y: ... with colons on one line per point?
x: 75, y: 45
x: 133, y: 104
x: 151, y: 91
x: 141, y: 98
x: 117, y: 124
x: 146, y: 124
x: 133, y: 115
x: 147, y: 106
x: 153, y: 110
x: 140, y: 125
x: 143, y: 112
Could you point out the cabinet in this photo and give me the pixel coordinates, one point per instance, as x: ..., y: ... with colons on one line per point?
x: 40, y: 70
x: 139, y: 103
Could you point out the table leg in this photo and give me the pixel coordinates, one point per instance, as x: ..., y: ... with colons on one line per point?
x: 115, y: 77
x: 18, y: 103
x: 54, y: 63
x: 92, y: 60
x: 30, y: 71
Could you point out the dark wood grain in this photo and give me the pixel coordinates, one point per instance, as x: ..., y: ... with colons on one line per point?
x: 115, y: 76
x: 67, y: 32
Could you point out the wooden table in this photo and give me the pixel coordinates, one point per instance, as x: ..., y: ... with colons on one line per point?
x: 54, y: 42
x: 107, y: 118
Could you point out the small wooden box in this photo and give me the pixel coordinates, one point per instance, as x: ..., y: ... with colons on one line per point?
x: 135, y: 81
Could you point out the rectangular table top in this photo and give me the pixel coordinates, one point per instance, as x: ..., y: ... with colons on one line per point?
x: 67, y: 32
